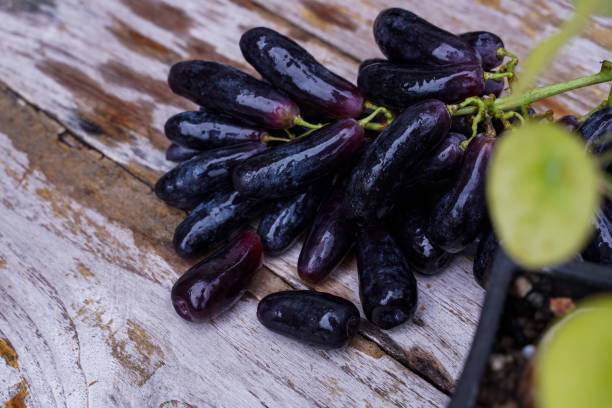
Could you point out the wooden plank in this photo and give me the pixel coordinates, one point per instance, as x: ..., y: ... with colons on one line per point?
x: 85, y: 317
x: 111, y: 93
x: 521, y: 24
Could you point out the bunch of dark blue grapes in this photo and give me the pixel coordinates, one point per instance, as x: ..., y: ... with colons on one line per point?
x: 407, y: 198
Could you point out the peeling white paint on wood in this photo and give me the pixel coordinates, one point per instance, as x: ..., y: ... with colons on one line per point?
x: 89, y: 331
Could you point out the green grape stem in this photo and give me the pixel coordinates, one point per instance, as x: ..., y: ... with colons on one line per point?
x: 299, y: 121
x: 377, y: 110
x: 514, y: 101
x: 269, y: 138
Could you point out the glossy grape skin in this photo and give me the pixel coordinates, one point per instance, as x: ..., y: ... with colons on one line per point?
x: 213, y: 221
x: 394, y: 153
x: 569, y: 122
x: 289, y: 168
x: 330, y: 239
x: 462, y: 124
x: 205, y: 130
x: 282, y: 224
x: 599, y: 249
x: 177, y: 153
x: 314, y: 318
x: 494, y: 87
x: 486, y: 45
x: 289, y: 67
x: 485, y: 254
x: 404, y: 37
x: 458, y: 217
x: 409, y: 228
x: 191, y: 181
x: 594, y: 130
x: 440, y: 169
x: 387, y: 286
x: 215, y: 284
x: 399, y: 86
x: 231, y: 91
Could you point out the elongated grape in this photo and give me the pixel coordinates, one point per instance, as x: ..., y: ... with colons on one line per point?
x: 462, y: 124
x: 440, y: 169
x: 485, y: 254
x: 394, y: 153
x: 569, y: 122
x: 458, y: 217
x: 288, y: 66
x: 288, y: 169
x: 315, y: 318
x: 282, y: 224
x: 596, y: 131
x: 409, y: 228
x: 213, y: 221
x: 387, y: 286
x: 177, y: 153
x: 329, y: 240
x: 231, y: 91
x: 205, y: 130
x: 407, y: 38
x: 599, y: 249
x: 399, y: 86
x: 493, y: 87
x: 486, y: 45
x: 213, y: 285
x: 191, y: 181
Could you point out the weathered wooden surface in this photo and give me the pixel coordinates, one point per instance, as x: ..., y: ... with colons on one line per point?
x: 85, y: 317
x: 85, y: 272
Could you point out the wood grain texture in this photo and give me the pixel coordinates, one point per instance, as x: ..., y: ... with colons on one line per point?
x: 85, y: 316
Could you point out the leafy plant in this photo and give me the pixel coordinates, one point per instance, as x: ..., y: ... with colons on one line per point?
x: 543, y: 187
x: 574, y: 363
x: 543, y: 192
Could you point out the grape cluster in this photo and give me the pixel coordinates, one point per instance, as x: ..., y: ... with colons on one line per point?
x: 391, y: 173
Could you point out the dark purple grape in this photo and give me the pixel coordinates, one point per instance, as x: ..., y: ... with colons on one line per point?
x: 595, y: 132
x: 213, y: 221
x: 231, y: 91
x: 289, y: 168
x: 485, y: 254
x: 205, y: 130
x: 399, y: 86
x: 285, y: 221
x: 458, y: 217
x: 486, y: 45
x: 288, y: 66
x: 177, y: 153
x: 387, y: 286
x: 407, y: 38
x: 409, y: 228
x: 393, y: 154
x: 599, y: 249
x: 439, y: 170
x: 569, y: 122
x: 462, y: 124
x: 213, y: 285
x: 314, y: 318
x: 329, y: 240
x: 494, y: 87
x: 190, y: 182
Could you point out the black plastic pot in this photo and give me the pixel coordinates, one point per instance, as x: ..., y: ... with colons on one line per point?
x: 575, y: 280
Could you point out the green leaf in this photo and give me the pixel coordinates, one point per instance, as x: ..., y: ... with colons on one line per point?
x: 542, y: 192
x: 574, y: 362
x: 544, y: 53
